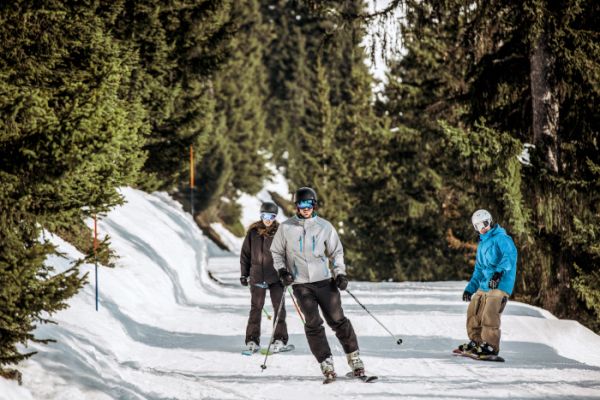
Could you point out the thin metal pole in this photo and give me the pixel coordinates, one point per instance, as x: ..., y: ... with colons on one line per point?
x: 192, y: 179
x: 264, y: 364
x: 296, y: 306
x: 398, y: 341
x: 267, y: 314
x: 96, y: 255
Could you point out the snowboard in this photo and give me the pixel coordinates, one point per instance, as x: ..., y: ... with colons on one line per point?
x: 286, y: 348
x: 364, y: 378
x: 474, y: 356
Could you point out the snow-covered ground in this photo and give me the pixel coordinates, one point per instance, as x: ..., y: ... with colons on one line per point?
x: 165, y: 330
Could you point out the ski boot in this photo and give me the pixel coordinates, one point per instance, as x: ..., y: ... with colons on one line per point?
x: 485, y: 349
x: 355, y: 364
x: 252, y: 347
x: 277, y: 346
x: 328, y: 370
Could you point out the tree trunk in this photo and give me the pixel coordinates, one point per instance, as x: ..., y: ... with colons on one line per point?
x: 544, y: 99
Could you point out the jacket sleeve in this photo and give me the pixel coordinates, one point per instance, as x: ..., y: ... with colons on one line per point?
x: 473, y: 284
x: 508, y: 261
x: 278, y: 249
x: 246, y: 256
x: 335, y: 252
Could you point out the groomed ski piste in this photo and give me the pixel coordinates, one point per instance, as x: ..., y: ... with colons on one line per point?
x: 166, y: 330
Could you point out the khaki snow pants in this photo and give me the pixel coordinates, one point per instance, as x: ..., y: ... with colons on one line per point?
x: 483, y: 316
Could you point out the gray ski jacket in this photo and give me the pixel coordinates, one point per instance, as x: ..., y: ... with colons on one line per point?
x: 306, y: 247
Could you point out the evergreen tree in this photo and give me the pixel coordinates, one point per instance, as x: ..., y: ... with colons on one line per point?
x: 284, y: 59
x: 315, y: 157
x: 514, y: 73
x: 543, y: 57
x: 424, y: 197
x: 68, y: 138
x: 321, y: 102
x: 240, y: 91
x: 180, y: 44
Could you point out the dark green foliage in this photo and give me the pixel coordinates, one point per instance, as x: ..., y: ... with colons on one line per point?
x: 78, y: 234
x: 503, y: 74
x: 230, y: 213
x: 179, y: 44
x: 97, y: 95
x: 240, y: 90
x: 68, y: 138
x: 560, y: 190
x: 213, y: 175
x: 417, y: 209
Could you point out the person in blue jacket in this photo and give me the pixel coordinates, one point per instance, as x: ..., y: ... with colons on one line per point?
x: 490, y: 286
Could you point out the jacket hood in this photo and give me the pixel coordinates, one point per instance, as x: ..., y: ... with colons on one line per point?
x: 496, y: 230
x: 262, y: 229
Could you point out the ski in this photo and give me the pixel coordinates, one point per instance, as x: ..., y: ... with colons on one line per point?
x: 249, y: 352
x: 473, y: 356
x: 284, y: 349
x: 364, y: 378
x: 329, y: 379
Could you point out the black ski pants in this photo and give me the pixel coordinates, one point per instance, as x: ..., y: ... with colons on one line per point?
x: 257, y: 303
x: 324, y: 294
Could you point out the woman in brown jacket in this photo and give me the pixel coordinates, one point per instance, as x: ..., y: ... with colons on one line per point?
x: 257, y: 272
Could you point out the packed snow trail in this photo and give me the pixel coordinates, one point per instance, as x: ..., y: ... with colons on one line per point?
x: 166, y: 330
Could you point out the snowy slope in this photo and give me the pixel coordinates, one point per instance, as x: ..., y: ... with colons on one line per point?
x: 165, y: 330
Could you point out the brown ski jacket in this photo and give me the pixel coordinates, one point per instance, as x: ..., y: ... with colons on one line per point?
x: 256, y: 260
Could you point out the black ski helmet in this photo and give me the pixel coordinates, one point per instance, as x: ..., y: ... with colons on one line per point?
x: 269, y: 207
x: 305, y: 193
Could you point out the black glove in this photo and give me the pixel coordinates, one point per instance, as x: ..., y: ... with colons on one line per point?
x: 286, y: 277
x: 341, y: 281
x: 467, y: 296
x: 493, y: 283
x: 244, y: 280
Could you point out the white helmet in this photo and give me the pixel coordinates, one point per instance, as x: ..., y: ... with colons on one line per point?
x: 481, y: 219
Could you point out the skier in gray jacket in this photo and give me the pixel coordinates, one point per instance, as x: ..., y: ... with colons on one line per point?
x: 302, y: 249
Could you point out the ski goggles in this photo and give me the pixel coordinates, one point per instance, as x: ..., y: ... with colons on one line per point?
x: 305, y: 204
x: 481, y: 225
x: 267, y: 216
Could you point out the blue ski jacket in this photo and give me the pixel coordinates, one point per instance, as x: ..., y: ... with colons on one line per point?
x: 496, y: 252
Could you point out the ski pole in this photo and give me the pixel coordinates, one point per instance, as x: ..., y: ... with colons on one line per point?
x: 398, y: 341
x: 96, y: 256
x: 192, y: 179
x: 267, y: 314
x: 296, y: 306
x: 264, y: 364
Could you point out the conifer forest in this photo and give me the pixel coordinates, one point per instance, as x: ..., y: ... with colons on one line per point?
x: 485, y: 104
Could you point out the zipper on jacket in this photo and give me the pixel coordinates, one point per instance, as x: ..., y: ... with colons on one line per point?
x: 313, y: 243
x: 262, y: 256
x: 304, y: 255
